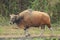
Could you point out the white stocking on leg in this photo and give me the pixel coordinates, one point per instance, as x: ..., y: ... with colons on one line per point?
x: 27, y: 33
x: 51, y: 31
x: 42, y: 30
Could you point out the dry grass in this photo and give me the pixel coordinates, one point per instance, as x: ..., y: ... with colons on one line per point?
x: 14, y: 31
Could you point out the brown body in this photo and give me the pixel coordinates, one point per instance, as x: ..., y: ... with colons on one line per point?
x: 33, y: 19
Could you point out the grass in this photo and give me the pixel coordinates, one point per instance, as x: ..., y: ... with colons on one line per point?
x: 11, y: 30
x: 46, y: 38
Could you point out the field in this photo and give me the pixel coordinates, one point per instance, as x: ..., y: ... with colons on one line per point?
x: 12, y: 32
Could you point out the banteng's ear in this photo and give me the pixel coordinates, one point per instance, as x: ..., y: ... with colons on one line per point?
x: 11, y: 15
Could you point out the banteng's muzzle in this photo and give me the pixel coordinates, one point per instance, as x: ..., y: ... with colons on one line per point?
x: 11, y: 22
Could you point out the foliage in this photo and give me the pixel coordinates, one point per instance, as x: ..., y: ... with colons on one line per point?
x: 52, y: 7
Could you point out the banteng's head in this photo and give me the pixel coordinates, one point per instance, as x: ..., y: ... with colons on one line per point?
x: 15, y: 19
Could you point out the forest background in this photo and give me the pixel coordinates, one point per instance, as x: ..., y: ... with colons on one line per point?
x: 7, y: 7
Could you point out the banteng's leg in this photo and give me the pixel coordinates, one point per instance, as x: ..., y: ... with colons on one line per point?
x: 42, y: 30
x: 26, y: 31
x: 49, y: 26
